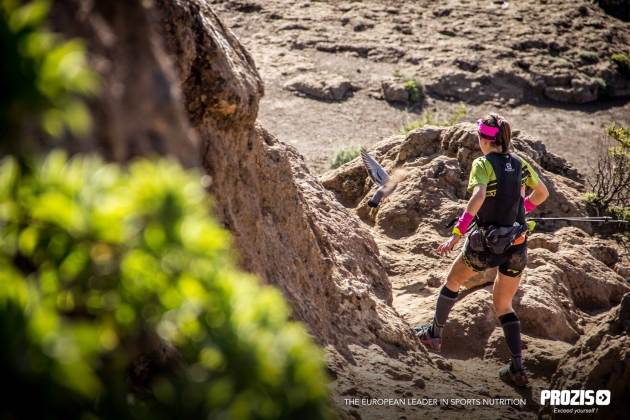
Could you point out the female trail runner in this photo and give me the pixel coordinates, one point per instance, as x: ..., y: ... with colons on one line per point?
x: 497, y: 182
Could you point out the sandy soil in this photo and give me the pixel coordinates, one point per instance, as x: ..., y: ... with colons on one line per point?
x: 319, y: 129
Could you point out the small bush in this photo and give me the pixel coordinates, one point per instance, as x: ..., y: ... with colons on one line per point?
x: 434, y: 119
x: 412, y: 89
x: 344, y: 156
x: 96, y: 261
x: 588, y: 57
x: 562, y: 62
x: 610, y: 192
x: 413, y: 85
x: 623, y: 64
x: 620, y: 134
x: 604, y: 88
x: 591, y: 198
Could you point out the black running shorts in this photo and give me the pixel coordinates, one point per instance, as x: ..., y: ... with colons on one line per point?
x: 511, y: 263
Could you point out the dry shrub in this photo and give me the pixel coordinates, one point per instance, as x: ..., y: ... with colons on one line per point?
x: 610, y: 190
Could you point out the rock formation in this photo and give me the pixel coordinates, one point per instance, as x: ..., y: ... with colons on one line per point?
x: 321, y: 86
x: 287, y: 228
x: 601, y: 361
x: 139, y: 110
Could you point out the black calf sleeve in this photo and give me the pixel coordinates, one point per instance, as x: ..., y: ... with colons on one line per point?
x: 508, y: 318
x: 512, y: 331
x: 445, y: 302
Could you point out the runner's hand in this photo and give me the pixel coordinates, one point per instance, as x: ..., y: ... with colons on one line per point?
x: 446, y: 247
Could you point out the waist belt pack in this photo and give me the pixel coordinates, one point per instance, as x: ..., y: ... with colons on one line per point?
x: 497, y: 239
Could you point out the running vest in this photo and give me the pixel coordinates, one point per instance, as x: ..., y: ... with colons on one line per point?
x: 506, y: 206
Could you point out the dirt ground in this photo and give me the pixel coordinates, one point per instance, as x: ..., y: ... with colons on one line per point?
x: 496, y: 57
x: 318, y: 129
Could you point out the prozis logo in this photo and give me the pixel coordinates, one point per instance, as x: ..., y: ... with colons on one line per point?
x: 577, y: 397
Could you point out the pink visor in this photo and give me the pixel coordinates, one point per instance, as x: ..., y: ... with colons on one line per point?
x: 486, y: 132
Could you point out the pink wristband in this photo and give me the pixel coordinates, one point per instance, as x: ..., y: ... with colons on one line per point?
x: 462, y: 224
x: 529, y: 206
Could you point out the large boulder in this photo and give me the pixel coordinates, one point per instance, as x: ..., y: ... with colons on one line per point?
x: 322, y: 86
x: 394, y: 91
x: 600, y: 361
x: 287, y: 228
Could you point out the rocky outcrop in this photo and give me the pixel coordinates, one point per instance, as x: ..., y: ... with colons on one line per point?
x: 600, y: 361
x: 321, y: 86
x: 440, y: 159
x: 139, y: 109
x: 287, y: 228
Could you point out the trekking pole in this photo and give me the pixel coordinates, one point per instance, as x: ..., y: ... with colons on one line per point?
x: 451, y: 223
x: 603, y: 219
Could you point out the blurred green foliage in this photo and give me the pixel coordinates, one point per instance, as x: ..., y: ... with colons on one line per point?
x: 96, y: 260
x: 344, y: 156
x: 44, y: 78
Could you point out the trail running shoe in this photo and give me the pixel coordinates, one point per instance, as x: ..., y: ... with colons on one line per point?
x: 433, y: 344
x: 518, y: 378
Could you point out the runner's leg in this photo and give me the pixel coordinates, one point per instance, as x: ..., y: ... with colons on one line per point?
x: 503, y: 292
x: 457, y: 275
x: 504, y: 289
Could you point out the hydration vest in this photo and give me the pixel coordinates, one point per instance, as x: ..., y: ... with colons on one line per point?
x: 506, y: 206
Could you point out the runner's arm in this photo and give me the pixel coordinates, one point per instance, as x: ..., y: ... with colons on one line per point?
x: 474, y: 204
x: 476, y: 201
x: 540, y: 194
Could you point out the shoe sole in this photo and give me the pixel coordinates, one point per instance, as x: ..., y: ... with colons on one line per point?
x: 508, y: 380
